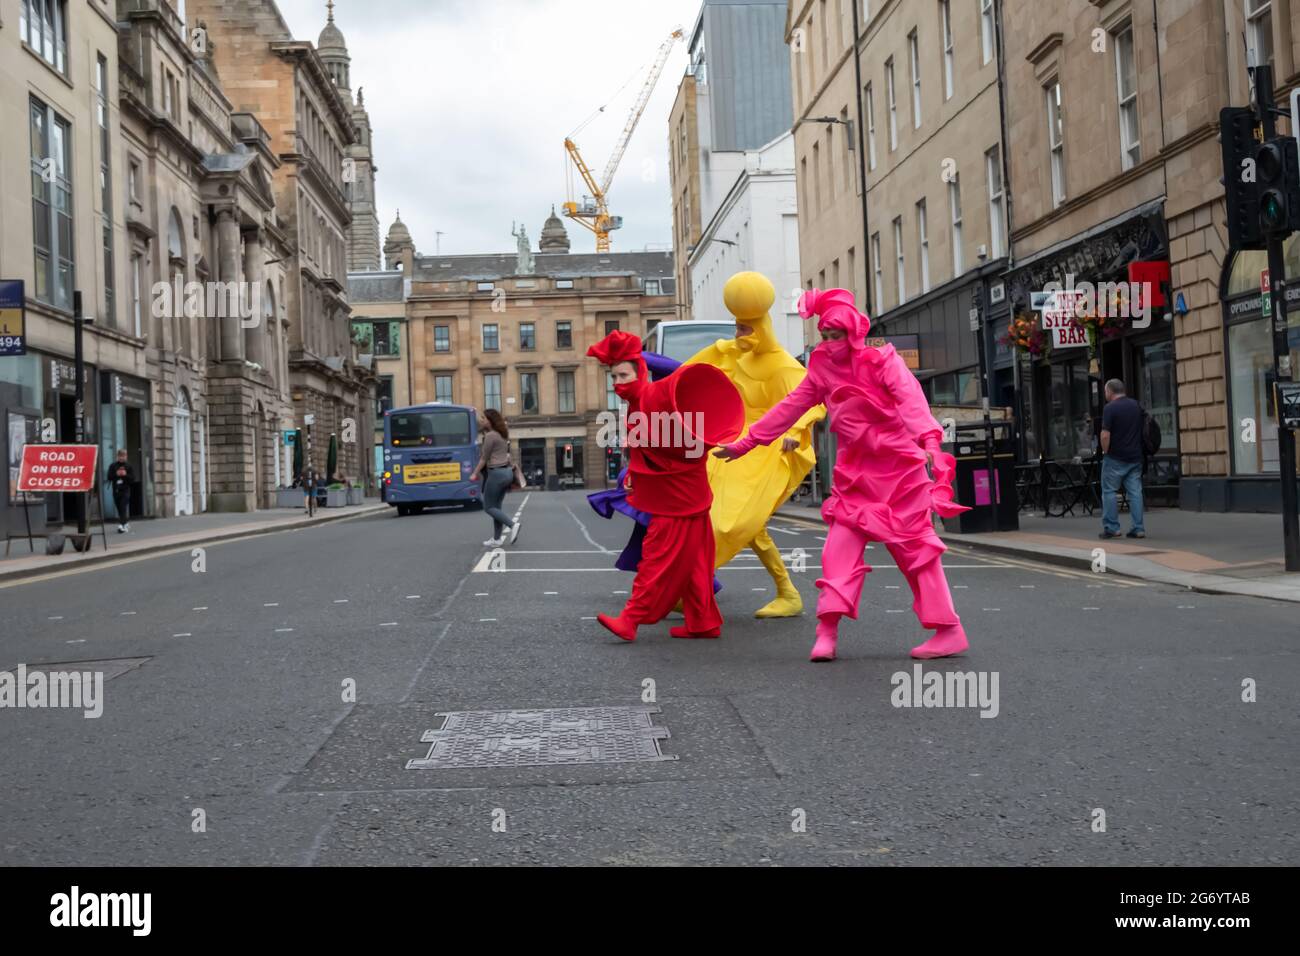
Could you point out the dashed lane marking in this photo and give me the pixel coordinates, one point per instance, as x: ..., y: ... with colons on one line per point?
x: 486, y: 620
x: 389, y: 624
x: 283, y: 630
x: 413, y: 597
x: 183, y: 634
x: 550, y: 592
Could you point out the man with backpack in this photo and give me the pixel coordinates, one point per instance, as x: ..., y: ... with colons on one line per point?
x: 1127, y: 436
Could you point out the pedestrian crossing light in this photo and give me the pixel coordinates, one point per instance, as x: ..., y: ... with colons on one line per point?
x: 568, y: 456
x: 1277, y: 173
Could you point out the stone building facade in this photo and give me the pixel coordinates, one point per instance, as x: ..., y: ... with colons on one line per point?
x: 511, y: 332
x: 309, y: 124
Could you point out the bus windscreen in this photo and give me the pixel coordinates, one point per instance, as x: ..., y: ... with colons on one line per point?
x: 436, y: 429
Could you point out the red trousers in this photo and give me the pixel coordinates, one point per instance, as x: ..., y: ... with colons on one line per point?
x: 676, y: 564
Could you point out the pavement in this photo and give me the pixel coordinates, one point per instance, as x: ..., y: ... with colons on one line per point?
x: 152, y: 535
x: 266, y: 709
x: 1201, y: 551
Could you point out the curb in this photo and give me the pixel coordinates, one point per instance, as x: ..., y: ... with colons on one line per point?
x: 215, y: 537
x: 1139, y: 569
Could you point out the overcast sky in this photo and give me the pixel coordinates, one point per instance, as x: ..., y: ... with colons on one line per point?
x: 471, y: 100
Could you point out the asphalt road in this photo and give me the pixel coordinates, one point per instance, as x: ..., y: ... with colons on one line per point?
x: 229, y: 712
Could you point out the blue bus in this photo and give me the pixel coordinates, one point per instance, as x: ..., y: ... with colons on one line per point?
x: 429, y: 452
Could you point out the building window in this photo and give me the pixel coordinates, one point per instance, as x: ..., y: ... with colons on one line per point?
x: 914, y: 61
x: 986, y: 31
x: 492, y: 391
x: 652, y: 287
x: 923, y: 241
x: 485, y: 286
x: 900, y: 275
x: 133, y: 182
x: 1056, y: 141
x: 386, y: 338
x: 383, y: 395
x: 1259, y: 30
x: 105, y: 187
x: 51, y: 165
x: 611, y: 325
x: 891, y: 101
x: 564, y: 335
x: 43, y: 25
x: 441, y: 338
x: 954, y: 209
x: 528, y: 393
x: 527, y: 337
x: 565, y: 383
x: 612, y: 401
x: 945, y: 17
x: 442, y: 388
x: 871, y: 128
x: 993, y: 172
x: 564, y: 283
x: 1126, y: 84
x: 136, y: 262
x: 877, y: 271
x: 490, y: 340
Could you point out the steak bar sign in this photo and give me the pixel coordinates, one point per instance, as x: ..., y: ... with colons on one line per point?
x: 1058, y: 310
x: 48, y: 468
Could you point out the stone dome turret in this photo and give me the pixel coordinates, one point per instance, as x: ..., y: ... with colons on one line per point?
x: 555, y: 238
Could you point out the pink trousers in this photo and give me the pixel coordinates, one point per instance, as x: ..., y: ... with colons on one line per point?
x: 844, y: 569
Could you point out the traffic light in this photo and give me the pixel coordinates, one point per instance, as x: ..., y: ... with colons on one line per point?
x: 568, y: 456
x: 613, y: 463
x: 1239, y: 147
x: 1277, y: 174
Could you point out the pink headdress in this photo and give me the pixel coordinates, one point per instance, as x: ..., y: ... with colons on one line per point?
x: 835, y: 310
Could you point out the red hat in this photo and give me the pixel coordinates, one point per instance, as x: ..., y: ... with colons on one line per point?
x: 619, y: 346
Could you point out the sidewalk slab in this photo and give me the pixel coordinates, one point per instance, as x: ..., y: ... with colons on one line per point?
x: 1188, y: 555
x: 164, y: 534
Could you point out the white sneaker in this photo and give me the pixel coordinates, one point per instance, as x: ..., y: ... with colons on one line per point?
x: 121, y: 530
x: 127, y: 527
x: 514, y: 530
x: 494, y: 542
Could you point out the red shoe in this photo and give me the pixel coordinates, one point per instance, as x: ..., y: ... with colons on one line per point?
x: 680, y: 631
x: 618, y: 626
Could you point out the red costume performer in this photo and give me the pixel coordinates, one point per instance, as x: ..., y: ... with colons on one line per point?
x: 678, y: 550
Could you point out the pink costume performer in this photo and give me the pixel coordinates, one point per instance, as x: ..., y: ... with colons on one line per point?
x: 881, y: 490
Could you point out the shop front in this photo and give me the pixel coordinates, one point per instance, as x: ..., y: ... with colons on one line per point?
x: 1252, y: 423
x: 60, y: 410
x: 1096, y: 308
x: 22, y: 399
x: 127, y: 423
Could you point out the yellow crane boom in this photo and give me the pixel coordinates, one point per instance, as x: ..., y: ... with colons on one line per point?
x: 593, y: 211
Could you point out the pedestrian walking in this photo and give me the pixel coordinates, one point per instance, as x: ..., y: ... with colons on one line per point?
x: 499, y: 475
x: 120, y: 479
x: 881, y: 489
x: 1123, y: 427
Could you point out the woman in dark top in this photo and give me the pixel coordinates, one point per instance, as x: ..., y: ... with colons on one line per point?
x: 499, y: 473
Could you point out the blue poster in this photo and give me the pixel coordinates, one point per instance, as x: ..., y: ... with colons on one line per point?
x: 13, y: 332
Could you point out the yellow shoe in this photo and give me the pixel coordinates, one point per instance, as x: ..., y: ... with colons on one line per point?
x: 789, y: 604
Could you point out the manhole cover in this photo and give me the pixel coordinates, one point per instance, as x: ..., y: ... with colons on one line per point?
x: 534, y: 738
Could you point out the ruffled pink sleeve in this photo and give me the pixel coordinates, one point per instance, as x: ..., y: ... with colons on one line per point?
x: 781, y: 416
x: 910, y: 399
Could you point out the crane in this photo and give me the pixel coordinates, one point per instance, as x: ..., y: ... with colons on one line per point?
x: 593, y: 211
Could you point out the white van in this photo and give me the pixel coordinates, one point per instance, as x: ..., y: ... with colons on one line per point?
x: 680, y: 340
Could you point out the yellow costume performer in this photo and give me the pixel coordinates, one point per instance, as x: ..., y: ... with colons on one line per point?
x: 748, y: 491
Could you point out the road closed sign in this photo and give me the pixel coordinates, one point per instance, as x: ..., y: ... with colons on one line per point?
x: 52, y: 468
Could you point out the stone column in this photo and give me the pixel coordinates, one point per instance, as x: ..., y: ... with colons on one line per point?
x: 232, y: 336
x: 254, y: 275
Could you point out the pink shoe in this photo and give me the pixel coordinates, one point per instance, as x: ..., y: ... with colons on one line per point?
x: 621, y: 628
x: 947, y: 641
x: 680, y: 631
x: 827, y: 635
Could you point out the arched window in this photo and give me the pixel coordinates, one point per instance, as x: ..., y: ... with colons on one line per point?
x: 179, y: 269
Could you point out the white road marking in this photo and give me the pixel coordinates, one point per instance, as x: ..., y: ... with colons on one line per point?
x: 183, y: 634
x: 956, y: 586
x: 892, y: 587
x: 1187, y: 607
x: 620, y: 592
x: 283, y: 630
x: 1091, y: 609
x: 480, y: 594
x: 992, y: 609
x: 586, y: 534
x: 80, y: 640
x: 204, y: 608
x: 784, y: 530
x: 484, y: 620
x: 389, y: 624
x: 56, y: 617
x: 272, y: 604
x: 758, y: 589
x: 550, y: 592
x: 413, y: 597
x: 127, y: 613
x: 588, y: 618
x: 893, y: 611
x: 820, y: 537
x: 341, y: 601
x: 1028, y: 587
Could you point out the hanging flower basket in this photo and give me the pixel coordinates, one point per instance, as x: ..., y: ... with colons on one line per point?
x: 1025, y: 333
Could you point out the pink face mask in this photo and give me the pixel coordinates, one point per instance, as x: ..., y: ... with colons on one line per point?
x: 837, y: 350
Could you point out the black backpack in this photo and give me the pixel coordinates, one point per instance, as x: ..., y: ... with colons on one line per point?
x: 1151, y: 437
